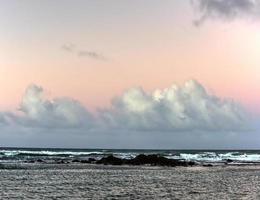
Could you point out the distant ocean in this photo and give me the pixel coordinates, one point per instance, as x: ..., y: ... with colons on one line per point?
x: 48, y: 155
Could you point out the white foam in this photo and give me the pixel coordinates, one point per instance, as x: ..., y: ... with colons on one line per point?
x: 199, y: 157
x: 213, y: 157
x: 50, y: 153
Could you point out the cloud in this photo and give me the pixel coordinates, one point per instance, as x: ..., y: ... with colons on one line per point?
x: 37, y: 111
x: 226, y: 9
x: 68, y: 47
x: 178, y: 108
x: 181, y: 116
x: 188, y: 107
x: 91, y: 54
x: 71, y: 48
x: 2, y: 119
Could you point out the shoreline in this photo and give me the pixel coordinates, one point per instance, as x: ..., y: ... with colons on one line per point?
x: 81, y: 166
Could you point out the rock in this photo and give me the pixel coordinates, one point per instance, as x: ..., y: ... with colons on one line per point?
x: 154, y: 160
x: 229, y: 160
x: 92, y: 160
x: 191, y: 163
x: 75, y: 161
x: 30, y: 161
x: 84, y: 161
x: 110, y: 160
x: 61, y: 162
x: 144, y: 159
x: 207, y: 165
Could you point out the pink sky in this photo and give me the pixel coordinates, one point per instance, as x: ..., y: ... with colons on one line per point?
x: 154, y: 48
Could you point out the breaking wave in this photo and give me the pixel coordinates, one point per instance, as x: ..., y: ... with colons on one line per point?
x: 217, y: 156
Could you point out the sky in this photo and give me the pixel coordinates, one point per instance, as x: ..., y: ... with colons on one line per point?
x: 130, y: 73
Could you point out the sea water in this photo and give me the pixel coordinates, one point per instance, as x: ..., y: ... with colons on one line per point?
x: 51, y: 154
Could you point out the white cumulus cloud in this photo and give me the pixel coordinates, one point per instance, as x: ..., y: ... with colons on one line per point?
x: 188, y: 107
x: 181, y: 116
x: 38, y: 111
x: 178, y: 108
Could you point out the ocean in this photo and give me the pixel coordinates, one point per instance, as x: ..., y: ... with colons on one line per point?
x: 34, y: 173
x: 48, y: 155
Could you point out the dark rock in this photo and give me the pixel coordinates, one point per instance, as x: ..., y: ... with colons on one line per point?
x: 207, y: 165
x: 92, y: 160
x: 191, y: 163
x: 84, y: 161
x: 110, y: 160
x: 154, y: 160
x: 145, y: 159
x: 61, y: 162
x: 75, y: 161
x: 229, y: 160
x: 30, y: 161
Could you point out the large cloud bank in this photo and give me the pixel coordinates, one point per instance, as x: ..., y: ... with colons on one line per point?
x: 188, y: 107
x: 227, y: 9
x: 177, y: 108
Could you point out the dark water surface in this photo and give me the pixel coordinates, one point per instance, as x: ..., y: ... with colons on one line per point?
x: 124, y: 182
x: 49, y: 155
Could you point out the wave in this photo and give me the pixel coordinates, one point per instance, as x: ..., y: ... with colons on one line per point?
x: 197, y: 156
x: 13, y: 153
x: 221, y: 157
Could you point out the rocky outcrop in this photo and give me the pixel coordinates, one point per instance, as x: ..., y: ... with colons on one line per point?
x: 111, y: 160
x: 153, y: 160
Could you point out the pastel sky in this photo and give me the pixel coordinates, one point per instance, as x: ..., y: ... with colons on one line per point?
x: 93, y: 51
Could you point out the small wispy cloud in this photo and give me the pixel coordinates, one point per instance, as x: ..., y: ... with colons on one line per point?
x: 72, y: 48
x: 91, y: 54
x: 68, y: 47
x: 226, y: 9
